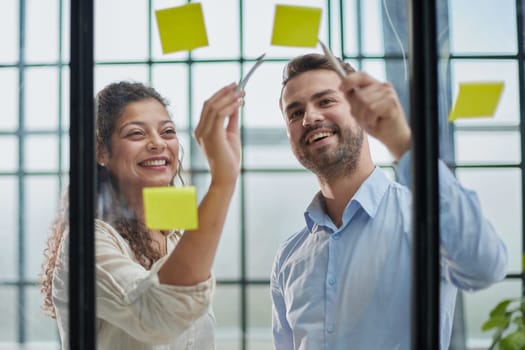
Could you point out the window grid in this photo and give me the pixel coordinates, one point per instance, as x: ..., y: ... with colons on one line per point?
x: 22, y: 283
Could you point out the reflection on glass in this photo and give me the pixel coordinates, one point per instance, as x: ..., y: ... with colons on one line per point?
x: 477, y: 308
x: 494, y: 187
x: 482, y: 33
x: 8, y: 81
x: 126, y: 41
x: 8, y: 234
x: 260, y: 317
x: 263, y: 191
x: 41, y: 32
x: 507, y: 112
x: 41, y: 109
x: 227, y: 310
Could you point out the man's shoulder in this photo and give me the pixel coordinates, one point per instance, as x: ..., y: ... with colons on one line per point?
x: 292, y: 243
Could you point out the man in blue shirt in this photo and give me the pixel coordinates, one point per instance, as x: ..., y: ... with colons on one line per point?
x: 344, y: 280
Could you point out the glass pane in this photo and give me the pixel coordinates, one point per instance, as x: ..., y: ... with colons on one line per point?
x: 171, y: 81
x: 105, y: 75
x: 262, y: 98
x: 9, y: 35
x: 222, y: 28
x: 41, y: 36
x: 121, y: 30
x: 9, y: 233
x: 258, y: 25
x: 226, y: 264
x: 65, y: 98
x: 380, y: 154
x: 41, y: 153
x: 10, y: 90
x: 9, y: 159
x: 41, y: 98
x: 66, y: 28
x: 478, y: 306
x: 372, y: 30
x: 259, y: 318
x: 207, y: 79
x: 9, y: 311
x: 227, y: 310
x: 375, y: 68
x: 487, y: 147
x: 65, y: 153
x: 41, y: 198
x: 41, y: 329
x: 155, y: 37
x: 481, y: 33
x: 507, y: 111
x: 494, y: 187
x: 268, y: 148
x: 350, y: 29
x: 334, y: 20
x: 263, y: 191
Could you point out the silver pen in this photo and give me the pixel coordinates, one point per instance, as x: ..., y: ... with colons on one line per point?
x: 243, y: 81
x: 330, y: 56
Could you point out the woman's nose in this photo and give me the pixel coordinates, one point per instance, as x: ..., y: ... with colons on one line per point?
x: 156, y: 144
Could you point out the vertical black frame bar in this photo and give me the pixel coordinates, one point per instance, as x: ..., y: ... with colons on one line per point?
x: 82, y: 180
x: 424, y: 123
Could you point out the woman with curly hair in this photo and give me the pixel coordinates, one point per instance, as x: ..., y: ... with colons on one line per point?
x: 153, y: 288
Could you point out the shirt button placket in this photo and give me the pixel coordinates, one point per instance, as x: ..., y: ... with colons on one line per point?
x: 330, y: 283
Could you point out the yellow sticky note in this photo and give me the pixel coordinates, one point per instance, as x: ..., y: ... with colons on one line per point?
x: 476, y: 100
x: 181, y: 28
x: 170, y: 207
x: 296, y: 26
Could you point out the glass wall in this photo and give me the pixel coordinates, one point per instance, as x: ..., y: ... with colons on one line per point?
x: 486, y: 154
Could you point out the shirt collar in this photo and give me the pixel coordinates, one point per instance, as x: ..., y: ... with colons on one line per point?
x: 368, y: 197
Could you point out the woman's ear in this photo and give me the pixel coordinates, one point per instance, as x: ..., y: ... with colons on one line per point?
x: 102, y: 156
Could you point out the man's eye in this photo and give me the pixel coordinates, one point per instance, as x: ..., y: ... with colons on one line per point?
x: 295, y: 115
x: 170, y: 131
x: 325, y: 102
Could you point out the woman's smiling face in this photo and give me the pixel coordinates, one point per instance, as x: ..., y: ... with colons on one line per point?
x: 144, y: 147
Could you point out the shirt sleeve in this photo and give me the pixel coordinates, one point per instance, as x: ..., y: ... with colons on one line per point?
x: 133, y: 299
x: 282, y: 333
x: 472, y: 254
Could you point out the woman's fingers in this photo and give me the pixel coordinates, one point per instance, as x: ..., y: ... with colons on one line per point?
x: 216, y: 109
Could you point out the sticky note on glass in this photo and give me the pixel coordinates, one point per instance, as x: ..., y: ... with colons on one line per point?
x: 181, y: 28
x: 171, y: 207
x: 476, y: 100
x: 296, y: 26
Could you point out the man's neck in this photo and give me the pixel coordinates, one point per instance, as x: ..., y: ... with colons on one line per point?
x: 337, y: 192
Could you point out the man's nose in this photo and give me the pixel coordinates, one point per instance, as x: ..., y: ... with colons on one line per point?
x: 312, y: 116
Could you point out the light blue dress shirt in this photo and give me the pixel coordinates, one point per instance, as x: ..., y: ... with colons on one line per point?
x: 349, y: 287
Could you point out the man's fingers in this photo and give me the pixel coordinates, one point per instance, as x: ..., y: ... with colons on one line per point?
x: 356, y: 81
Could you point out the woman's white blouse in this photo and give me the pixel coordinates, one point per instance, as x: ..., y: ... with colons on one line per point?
x: 135, y: 311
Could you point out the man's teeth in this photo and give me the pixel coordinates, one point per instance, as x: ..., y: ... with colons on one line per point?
x: 319, y: 136
x: 154, y: 163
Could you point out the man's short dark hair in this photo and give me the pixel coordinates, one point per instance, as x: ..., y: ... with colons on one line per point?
x: 308, y: 62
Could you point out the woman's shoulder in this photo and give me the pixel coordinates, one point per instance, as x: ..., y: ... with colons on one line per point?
x: 105, y: 230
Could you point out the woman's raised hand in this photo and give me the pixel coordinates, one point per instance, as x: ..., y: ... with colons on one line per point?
x: 218, y: 134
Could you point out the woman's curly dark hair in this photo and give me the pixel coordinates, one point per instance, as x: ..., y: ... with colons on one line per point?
x: 110, y: 103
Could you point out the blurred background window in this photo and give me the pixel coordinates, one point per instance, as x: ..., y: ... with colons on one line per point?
x: 486, y: 154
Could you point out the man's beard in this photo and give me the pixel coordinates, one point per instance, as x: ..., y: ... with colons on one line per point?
x: 331, y: 164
